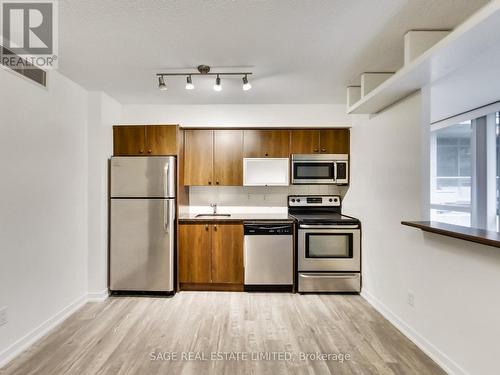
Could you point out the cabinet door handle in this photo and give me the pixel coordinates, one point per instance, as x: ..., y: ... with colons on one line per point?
x: 217, y: 182
x: 316, y: 150
x: 141, y: 151
x: 149, y: 151
x: 266, y: 154
x: 210, y: 182
x: 206, y: 226
x: 215, y: 227
x: 323, y: 150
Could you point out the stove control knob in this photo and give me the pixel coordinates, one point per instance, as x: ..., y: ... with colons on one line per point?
x: 298, y: 200
x: 293, y: 199
x: 331, y: 200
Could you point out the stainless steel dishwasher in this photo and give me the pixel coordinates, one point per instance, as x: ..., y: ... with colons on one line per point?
x: 268, y: 256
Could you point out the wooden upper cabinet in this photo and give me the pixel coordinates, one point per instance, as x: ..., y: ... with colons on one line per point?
x: 305, y: 142
x: 198, y: 157
x: 195, y: 253
x: 145, y: 140
x: 266, y: 143
x: 334, y: 141
x: 213, y: 157
x: 227, y: 253
x: 327, y: 141
x: 161, y: 139
x: 129, y: 140
x: 228, y: 157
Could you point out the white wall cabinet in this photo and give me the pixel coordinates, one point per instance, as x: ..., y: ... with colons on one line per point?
x: 266, y: 172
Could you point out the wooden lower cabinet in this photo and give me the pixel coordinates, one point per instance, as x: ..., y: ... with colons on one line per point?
x: 195, y: 253
x: 227, y: 253
x: 210, y: 256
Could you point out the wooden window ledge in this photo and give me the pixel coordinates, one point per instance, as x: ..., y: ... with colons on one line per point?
x: 480, y: 236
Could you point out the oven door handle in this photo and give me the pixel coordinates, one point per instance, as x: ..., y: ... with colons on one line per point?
x: 329, y: 226
x: 349, y: 276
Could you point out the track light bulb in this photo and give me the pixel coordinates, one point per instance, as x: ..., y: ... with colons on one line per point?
x: 161, y: 84
x: 246, y: 85
x: 217, y: 86
x: 189, y: 83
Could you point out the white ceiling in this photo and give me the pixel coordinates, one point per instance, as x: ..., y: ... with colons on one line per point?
x: 301, y: 51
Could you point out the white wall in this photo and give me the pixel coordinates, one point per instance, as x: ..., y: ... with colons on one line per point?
x: 104, y: 112
x: 237, y: 115
x: 43, y: 203
x: 456, y: 315
x: 472, y: 86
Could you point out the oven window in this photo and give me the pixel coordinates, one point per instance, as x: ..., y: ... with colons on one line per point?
x: 313, y: 170
x: 328, y: 245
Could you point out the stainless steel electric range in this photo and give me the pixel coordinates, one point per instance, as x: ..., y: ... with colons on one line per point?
x: 328, y: 245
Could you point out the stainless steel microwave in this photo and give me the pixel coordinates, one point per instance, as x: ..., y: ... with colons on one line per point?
x: 323, y: 169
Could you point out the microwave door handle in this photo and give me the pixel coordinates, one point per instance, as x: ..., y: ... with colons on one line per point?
x: 334, y: 171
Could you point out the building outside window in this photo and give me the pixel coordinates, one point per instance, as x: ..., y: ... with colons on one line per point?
x: 465, y: 172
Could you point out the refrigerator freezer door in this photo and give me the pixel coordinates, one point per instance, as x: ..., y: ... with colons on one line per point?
x: 143, y: 177
x: 142, y: 244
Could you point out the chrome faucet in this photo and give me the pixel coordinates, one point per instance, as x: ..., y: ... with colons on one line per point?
x: 214, y: 206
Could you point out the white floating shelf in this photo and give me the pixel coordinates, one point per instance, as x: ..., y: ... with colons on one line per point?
x: 476, y: 35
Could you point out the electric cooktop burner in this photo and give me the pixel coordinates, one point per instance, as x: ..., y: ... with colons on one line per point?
x: 318, y: 209
x: 324, y: 218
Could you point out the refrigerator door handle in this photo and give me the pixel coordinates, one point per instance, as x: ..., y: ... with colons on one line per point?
x: 166, y: 215
x: 165, y: 180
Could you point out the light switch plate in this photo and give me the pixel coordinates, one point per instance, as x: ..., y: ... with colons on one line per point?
x: 3, y: 316
x: 411, y: 299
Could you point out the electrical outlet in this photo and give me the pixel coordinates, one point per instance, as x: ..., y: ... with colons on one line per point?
x: 3, y: 316
x: 411, y: 299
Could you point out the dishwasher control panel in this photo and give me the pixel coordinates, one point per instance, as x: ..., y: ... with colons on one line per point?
x: 268, y: 229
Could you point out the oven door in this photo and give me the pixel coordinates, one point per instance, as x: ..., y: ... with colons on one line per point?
x: 313, y: 172
x: 329, y: 248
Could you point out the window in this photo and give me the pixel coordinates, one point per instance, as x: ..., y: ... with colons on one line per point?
x: 451, y: 180
x: 497, y: 129
x: 465, y: 172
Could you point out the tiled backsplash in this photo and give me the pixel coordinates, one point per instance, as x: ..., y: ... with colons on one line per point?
x: 275, y: 196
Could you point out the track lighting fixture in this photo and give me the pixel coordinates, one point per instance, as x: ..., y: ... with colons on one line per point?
x: 161, y: 83
x: 217, y: 86
x: 203, y: 70
x: 189, y: 83
x: 246, y: 85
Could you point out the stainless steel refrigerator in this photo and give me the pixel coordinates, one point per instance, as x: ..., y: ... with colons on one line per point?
x: 142, y: 222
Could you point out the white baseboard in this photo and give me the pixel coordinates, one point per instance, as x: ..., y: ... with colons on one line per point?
x: 446, y: 363
x: 30, y: 338
x: 98, y: 296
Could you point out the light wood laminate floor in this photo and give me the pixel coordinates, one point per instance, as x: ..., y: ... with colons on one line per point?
x: 123, y: 334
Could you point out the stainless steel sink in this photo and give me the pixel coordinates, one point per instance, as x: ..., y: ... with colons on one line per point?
x: 213, y: 215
